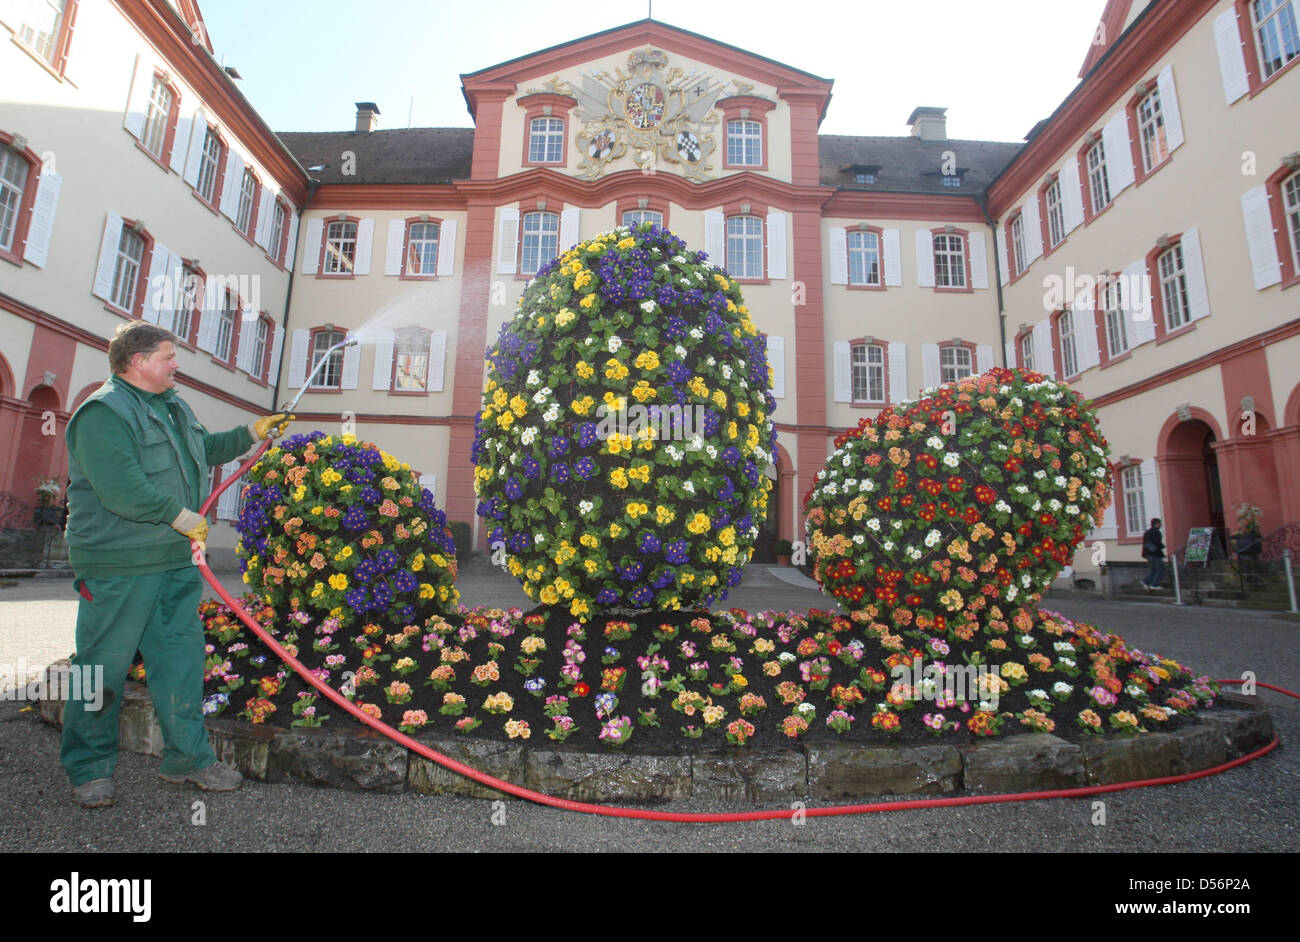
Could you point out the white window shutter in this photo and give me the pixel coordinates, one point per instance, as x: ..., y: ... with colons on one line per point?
x: 1232, y: 61
x: 1071, y: 194
x: 508, y: 241
x: 776, y: 247
x: 983, y: 358
x: 1198, y: 296
x: 265, y: 208
x: 1087, y: 352
x: 1136, y: 291
x: 437, y: 360
x: 41, y: 228
x: 893, y: 259
x: 1169, y: 108
x: 351, y: 367
x: 1009, y: 351
x: 979, y: 261
x: 180, y: 143
x: 570, y: 226
x: 897, y: 372
x: 447, y: 248
x: 1001, y: 239
x: 232, y: 185
x: 291, y: 245
x: 228, y: 502
x: 176, y: 291
x: 1150, y: 495
x: 931, y: 371
x: 715, y: 237
x: 277, y: 349
x: 137, y: 103
x: 365, y: 245
x: 298, y: 359
x: 247, y: 338
x: 839, y: 255
x: 924, y: 258
x: 311, y: 246
x: 1043, y: 362
x: 842, y: 357
x: 776, y: 359
x: 1119, y: 153
x: 430, y: 483
x: 1109, y: 528
x: 194, y: 155
x: 383, y: 378
x: 393, y: 250
x: 103, y: 284
x: 208, y: 316
x: 1264, y: 263
x: 1032, y: 221
x: 157, y: 291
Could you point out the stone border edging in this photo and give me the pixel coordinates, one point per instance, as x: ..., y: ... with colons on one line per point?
x: 366, y: 760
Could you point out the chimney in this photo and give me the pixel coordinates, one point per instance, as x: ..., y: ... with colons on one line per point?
x: 367, y: 117
x: 929, y: 124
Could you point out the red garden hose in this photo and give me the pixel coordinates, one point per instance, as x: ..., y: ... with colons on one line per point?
x: 690, y: 818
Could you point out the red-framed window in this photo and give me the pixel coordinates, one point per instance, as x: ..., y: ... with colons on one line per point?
x: 1114, y: 341
x: 539, y: 240
x: 1025, y: 353
x: 248, y: 206
x: 45, y: 31
x: 745, y: 142
x: 229, y: 315
x: 951, y: 248
x: 1284, y: 206
x: 131, y: 261
x: 157, y: 138
x: 745, y: 247
x: 632, y: 211
x: 410, y: 361
x: 212, y: 170
x: 187, y: 308
x: 1051, y: 213
x: 421, y: 244
x: 278, y: 238
x: 20, y: 168
x: 1270, y: 39
x: 1096, y: 180
x: 338, y: 248
x: 866, y: 258
x: 330, y: 378
x: 259, y: 359
x: 1130, y: 502
x: 1017, y: 246
x: 1065, y: 342
x: 869, y: 372
x: 956, y: 361
x: 1147, y: 132
x: 546, y: 129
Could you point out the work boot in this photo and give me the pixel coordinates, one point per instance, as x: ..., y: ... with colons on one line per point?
x: 97, y: 793
x: 216, y: 777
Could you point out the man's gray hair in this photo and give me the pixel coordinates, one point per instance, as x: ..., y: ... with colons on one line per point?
x: 132, y: 338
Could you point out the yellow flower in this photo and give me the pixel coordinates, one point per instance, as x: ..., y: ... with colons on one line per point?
x: 720, y: 400
x: 330, y: 477
x: 727, y: 536
x: 317, y: 510
x: 549, y: 596
x: 591, y: 565
x: 417, y: 563
x: 506, y: 419
x: 519, y: 405
x: 635, y: 510
x: 582, y: 406
x: 564, y: 318
x: 343, y: 554
x: 426, y: 591
x: 588, y: 301
x: 614, y: 369
x: 338, y: 581
x: 643, y: 391
x: 516, y: 567
x: 698, y: 523
x: 663, y: 515
x: 618, y: 477
x: 500, y: 398
x: 615, y: 531
x: 584, y: 369
x: 589, y: 540
x: 641, y: 472
x: 647, y: 360
x: 742, y: 409
x: 299, y: 492
x: 625, y: 244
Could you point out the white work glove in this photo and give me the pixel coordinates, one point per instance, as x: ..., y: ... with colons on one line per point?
x: 193, y: 527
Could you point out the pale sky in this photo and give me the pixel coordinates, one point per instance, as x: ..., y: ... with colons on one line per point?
x: 999, y: 66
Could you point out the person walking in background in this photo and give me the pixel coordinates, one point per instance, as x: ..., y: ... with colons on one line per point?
x: 138, y: 460
x: 1153, y: 549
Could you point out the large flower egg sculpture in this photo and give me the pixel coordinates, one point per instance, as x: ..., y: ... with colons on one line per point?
x: 622, y: 448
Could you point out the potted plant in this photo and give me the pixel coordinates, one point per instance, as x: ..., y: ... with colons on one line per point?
x: 48, y: 511
x: 1248, y: 539
x: 783, y: 550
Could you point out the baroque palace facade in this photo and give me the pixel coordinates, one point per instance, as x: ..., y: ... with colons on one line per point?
x: 1142, y: 243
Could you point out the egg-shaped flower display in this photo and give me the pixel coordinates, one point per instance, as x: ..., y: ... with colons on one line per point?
x: 335, y: 526
x: 622, y: 447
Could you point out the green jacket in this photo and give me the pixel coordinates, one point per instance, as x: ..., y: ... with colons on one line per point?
x: 135, y: 460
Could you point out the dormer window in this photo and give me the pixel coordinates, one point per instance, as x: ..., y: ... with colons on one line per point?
x: 864, y: 177
x: 952, y: 179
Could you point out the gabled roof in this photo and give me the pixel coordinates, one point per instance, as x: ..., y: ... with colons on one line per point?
x: 909, y: 164
x: 400, y: 155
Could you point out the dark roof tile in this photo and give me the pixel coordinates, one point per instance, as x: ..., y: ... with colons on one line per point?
x: 401, y: 155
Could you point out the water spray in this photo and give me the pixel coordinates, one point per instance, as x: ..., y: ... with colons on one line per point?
x: 306, y: 383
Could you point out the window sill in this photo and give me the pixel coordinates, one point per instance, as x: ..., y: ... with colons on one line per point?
x: 224, y: 365
x: 11, y: 257
x: 405, y: 277
x: 1170, y: 335
x: 203, y: 202
x: 336, y: 276
x: 244, y: 235
x: 751, y: 281
x: 408, y: 392
x: 1258, y: 88
x: 1101, y: 212
x: 762, y: 166
x: 278, y: 263
x: 39, y: 59
x: 151, y: 155
x: 544, y: 163
x: 1126, y: 355
x: 324, y: 390
x: 1289, y: 282
x: 852, y: 287
x: 1141, y: 177
x: 112, y: 309
x: 867, y: 405
x: 941, y: 290
x: 1054, y: 249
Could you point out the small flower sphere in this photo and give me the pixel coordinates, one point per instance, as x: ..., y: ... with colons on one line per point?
x: 622, y: 450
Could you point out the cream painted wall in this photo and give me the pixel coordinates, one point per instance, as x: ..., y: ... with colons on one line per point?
x: 513, y: 130
x: 15, y: 343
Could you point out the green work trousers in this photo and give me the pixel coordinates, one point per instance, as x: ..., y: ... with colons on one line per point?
x: 156, y: 614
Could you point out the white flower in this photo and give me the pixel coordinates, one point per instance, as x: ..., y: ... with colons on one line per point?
x: 648, y: 306
x: 688, y: 487
x: 530, y: 433
x: 846, y: 461
x: 1067, y: 661
x: 674, y: 453
x: 1012, y: 592
x: 1021, y: 488
x: 585, y: 507
x: 785, y: 657
x: 934, y: 441
x: 697, y: 333
x: 711, y: 451
x: 831, y: 489
x: 1061, y: 688
x: 1027, y: 639
x: 614, y: 343
x: 874, y: 524
x: 1038, y: 505
x: 933, y: 537
x: 539, y: 538
x: 887, y: 546
x: 553, y: 413
x: 1016, y: 402
x: 1026, y: 580
x: 680, y: 351
x: 1040, y: 474
x: 1040, y: 694
x: 1071, y: 510
x: 541, y: 396
x: 1063, y: 647
x: 534, y: 378
x: 806, y: 707
x: 867, y: 485
x: 726, y: 371
x: 710, y: 361
x: 858, y: 538
x: 896, y: 524
x: 913, y: 552
x: 1054, y: 504
x: 951, y: 459
x: 679, y: 260
x: 1059, y: 480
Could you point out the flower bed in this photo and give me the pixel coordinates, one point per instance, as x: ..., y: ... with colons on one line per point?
x: 335, y: 529
x: 621, y: 449
x: 700, y: 682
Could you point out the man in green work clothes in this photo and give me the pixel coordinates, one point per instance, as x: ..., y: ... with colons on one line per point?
x: 138, y: 461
